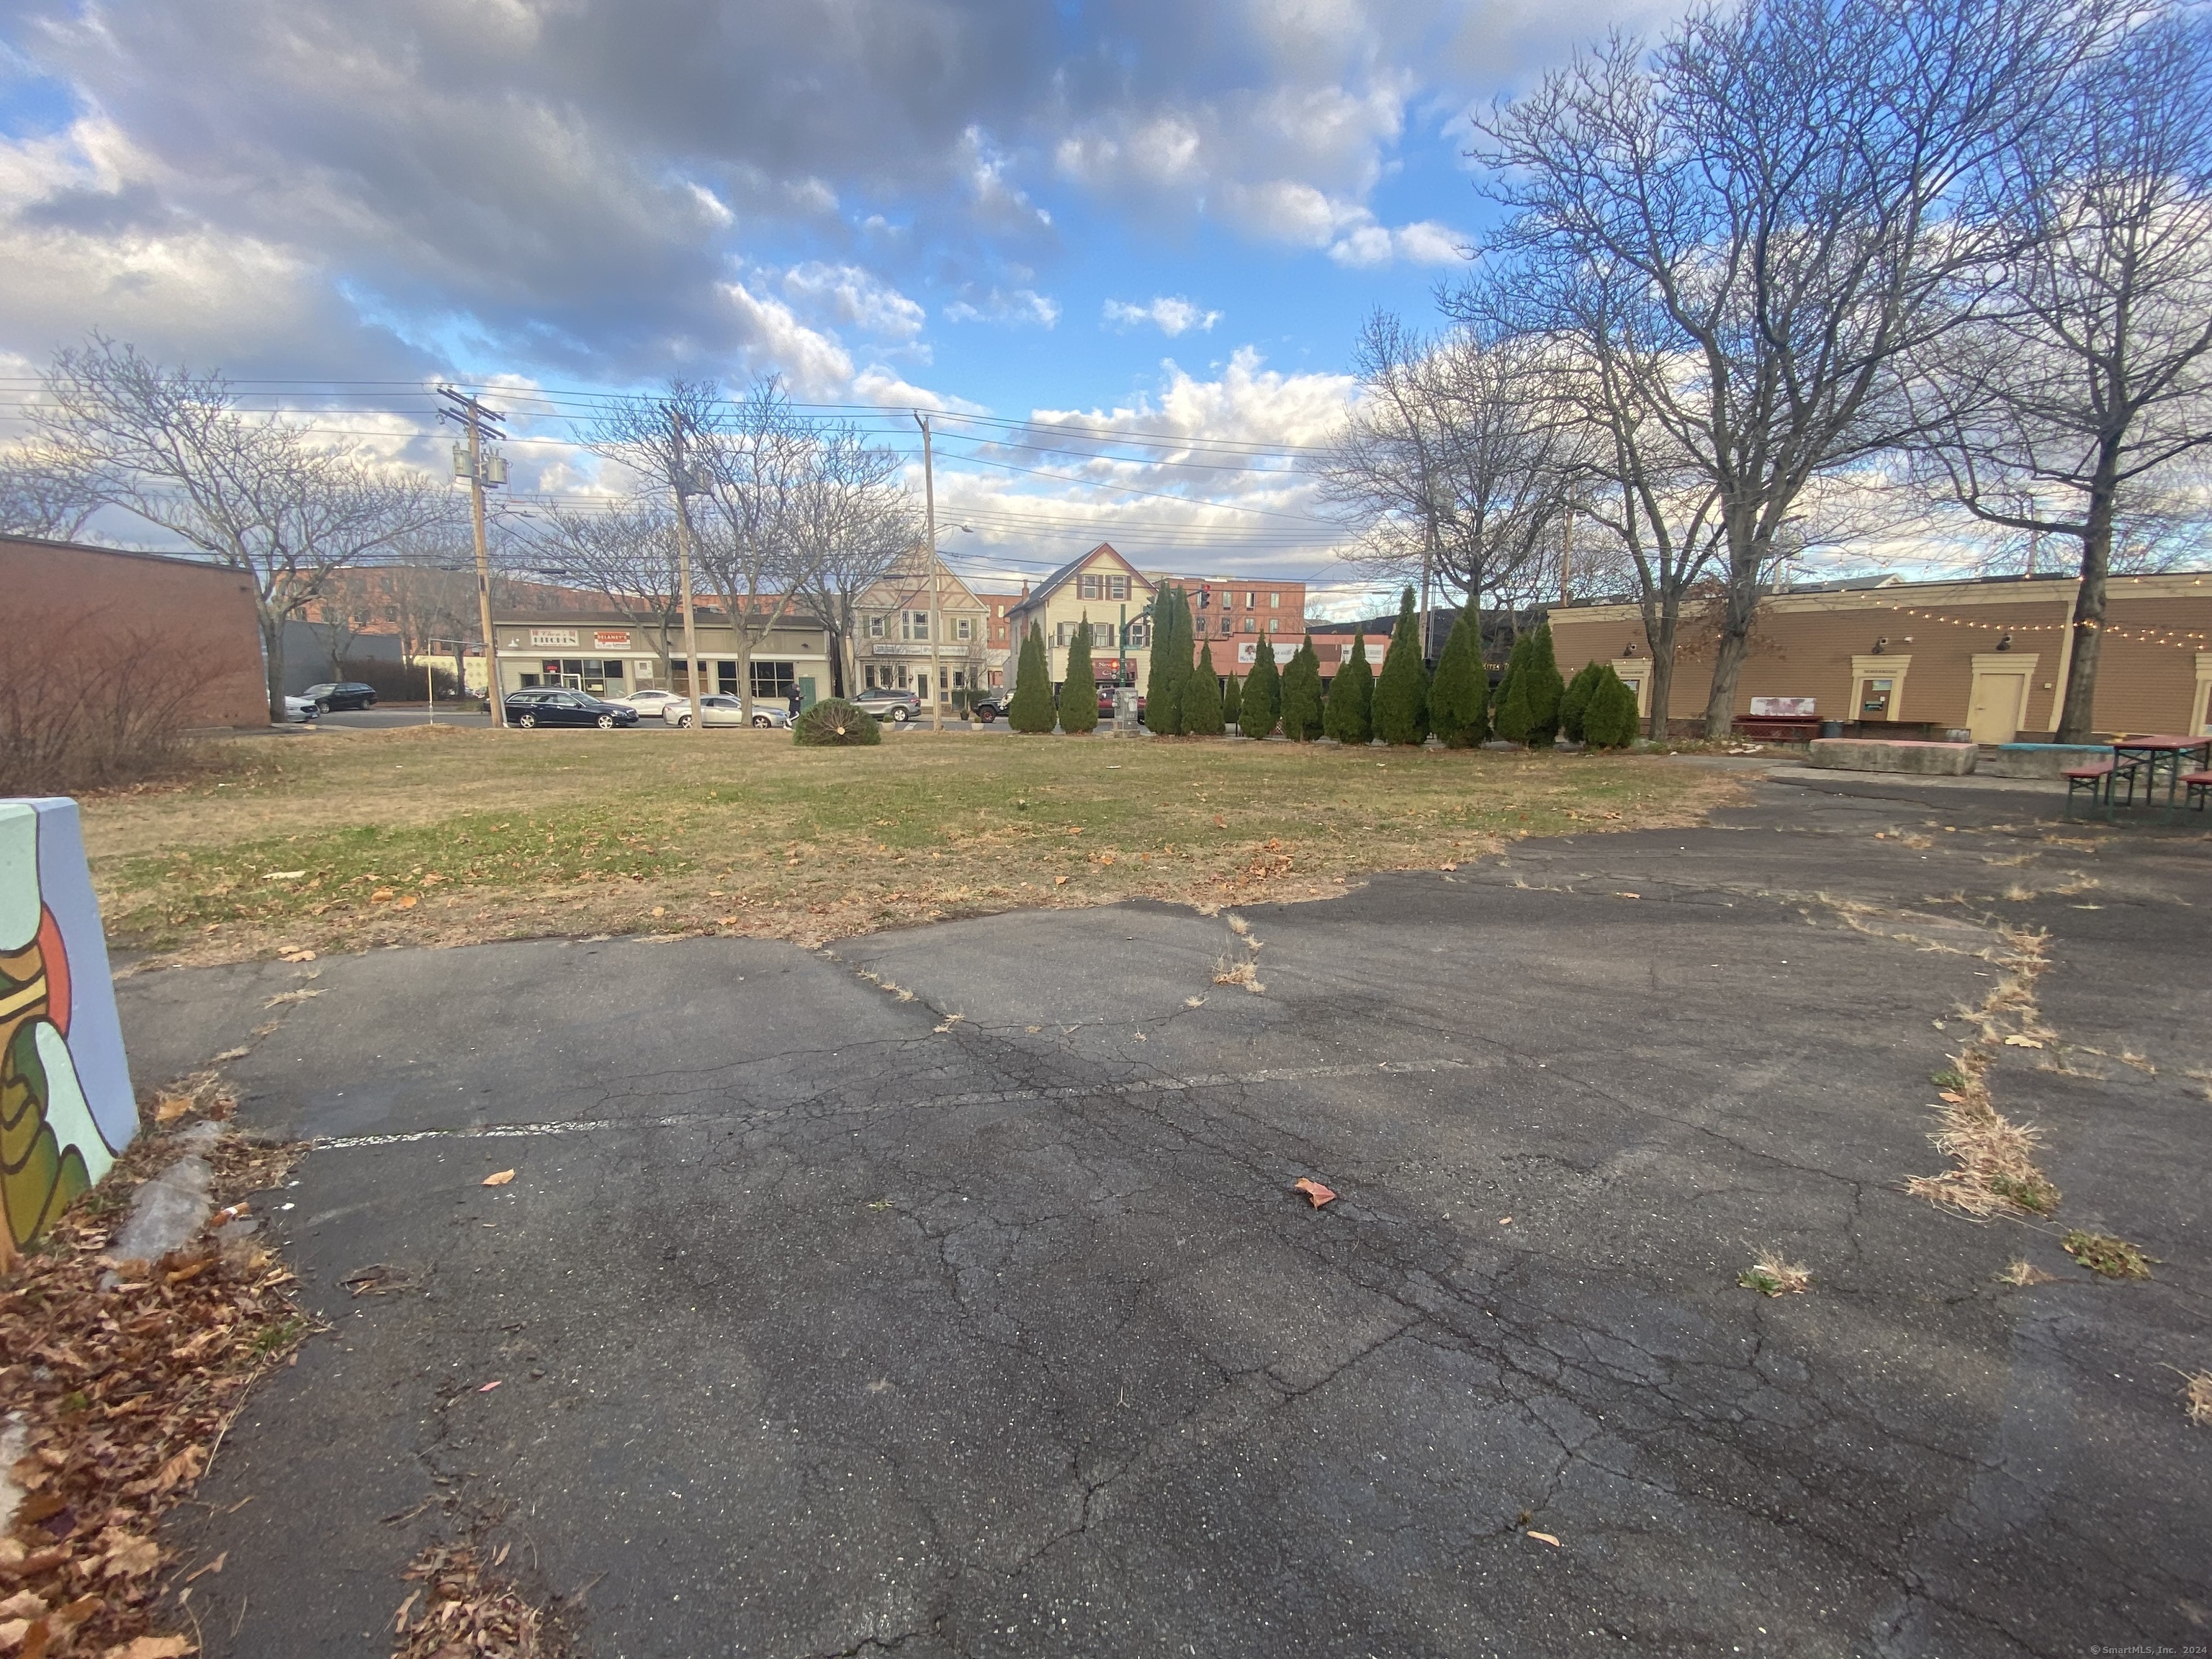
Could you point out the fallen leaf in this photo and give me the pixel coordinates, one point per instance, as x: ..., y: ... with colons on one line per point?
x: 1060, y: 881
x: 2016, y: 1041
x: 11, y: 1633
x: 1633, y: 896
x: 489, y: 1386
x: 399, y: 1619
x: 1220, y: 823
x: 152, y: 1647
x: 659, y: 909
x: 297, y: 956
x: 379, y: 896
x: 1950, y: 1097
x: 172, y: 1108
x: 232, y: 1054
x: 499, y: 1180
x: 1505, y: 1221
x: 128, y: 1555
x: 1547, y: 1537
x: 23, y: 1604
x: 65, y: 1620
x: 1316, y: 1194
x: 407, y: 903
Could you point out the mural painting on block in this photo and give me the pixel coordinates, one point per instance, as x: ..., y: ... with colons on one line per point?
x: 66, y: 1106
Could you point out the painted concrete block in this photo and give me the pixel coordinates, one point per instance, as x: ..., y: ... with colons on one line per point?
x: 2042, y: 760
x: 66, y: 1105
x: 1889, y: 755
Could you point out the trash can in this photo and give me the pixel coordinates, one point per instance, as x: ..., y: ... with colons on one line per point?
x: 1832, y: 728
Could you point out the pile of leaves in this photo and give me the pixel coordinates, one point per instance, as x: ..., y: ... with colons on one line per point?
x: 117, y: 1400
x: 463, y: 1611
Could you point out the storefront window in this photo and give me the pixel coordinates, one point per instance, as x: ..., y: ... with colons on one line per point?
x: 775, y: 681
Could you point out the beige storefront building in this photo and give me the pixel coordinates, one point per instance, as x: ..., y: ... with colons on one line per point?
x: 610, y: 655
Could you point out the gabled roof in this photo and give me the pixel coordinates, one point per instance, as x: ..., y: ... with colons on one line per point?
x: 1060, y: 578
x: 893, y: 589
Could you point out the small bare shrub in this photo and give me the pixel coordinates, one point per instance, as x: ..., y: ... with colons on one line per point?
x: 86, y: 705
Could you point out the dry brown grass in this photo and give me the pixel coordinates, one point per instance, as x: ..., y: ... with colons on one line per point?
x: 2195, y: 1395
x: 1772, y: 1275
x: 2024, y: 1273
x: 347, y: 839
x: 1993, y: 1159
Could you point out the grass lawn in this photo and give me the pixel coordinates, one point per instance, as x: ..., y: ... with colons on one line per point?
x: 343, y: 839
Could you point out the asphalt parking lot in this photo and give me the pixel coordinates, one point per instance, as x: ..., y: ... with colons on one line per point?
x: 944, y: 1292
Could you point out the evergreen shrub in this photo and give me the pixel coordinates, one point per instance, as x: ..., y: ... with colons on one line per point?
x: 833, y: 723
x: 1201, y: 698
x: 1078, y: 689
x: 1347, y: 715
x: 1032, y: 708
x: 1401, y: 692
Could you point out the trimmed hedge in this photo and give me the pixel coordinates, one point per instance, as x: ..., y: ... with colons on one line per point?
x: 1576, y: 701
x: 1031, y: 709
x: 1401, y: 690
x: 1201, y: 698
x: 1078, y: 691
x: 1459, y: 696
x: 1610, y: 720
x: 1301, y: 694
x: 1261, y: 702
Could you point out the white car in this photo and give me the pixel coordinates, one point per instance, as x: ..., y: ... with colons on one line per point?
x: 726, y: 711
x: 302, y: 709
x: 650, y: 702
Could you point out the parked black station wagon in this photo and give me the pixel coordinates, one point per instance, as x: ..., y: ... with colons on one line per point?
x: 341, y: 694
x: 551, y: 706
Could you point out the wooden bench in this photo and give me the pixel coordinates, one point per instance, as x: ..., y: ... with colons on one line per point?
x: 2199, y: 786
x: 2098, y: 780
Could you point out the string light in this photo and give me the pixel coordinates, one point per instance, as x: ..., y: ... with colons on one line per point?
x: 2180, y: 639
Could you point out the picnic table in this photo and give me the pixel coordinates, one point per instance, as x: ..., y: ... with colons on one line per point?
x: 2147, y: 755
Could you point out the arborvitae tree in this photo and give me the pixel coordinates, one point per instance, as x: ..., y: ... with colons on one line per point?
x: 1032, y: 708
x: 1263, y: 697
x: 1170, y: 663
x: 1459, y: 696
x: 1232, y: 703
x: 1078, y: 689
x: 1301, y: 694
x: 1610, y: 720
x: 1513, y: 717
x: 1401, y: 692
x: 1575, y: 702
x: 1546, y: 688
x: 1201, y: 698
x: 1348, y: 716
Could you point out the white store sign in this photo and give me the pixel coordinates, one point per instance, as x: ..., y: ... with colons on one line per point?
x: 553, y: 638
x: 1248, y: 653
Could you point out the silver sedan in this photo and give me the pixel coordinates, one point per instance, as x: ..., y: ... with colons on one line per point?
x: 726, y: 711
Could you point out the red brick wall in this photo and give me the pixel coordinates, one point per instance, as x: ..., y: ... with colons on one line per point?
x: 132, y: 603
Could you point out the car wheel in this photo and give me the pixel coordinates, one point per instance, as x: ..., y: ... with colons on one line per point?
x: 899, y: 715
x: 526, y: 720
x: 606, y: 722
x: 322, y: 707
x: 682, y: 722
x: 763, y: 719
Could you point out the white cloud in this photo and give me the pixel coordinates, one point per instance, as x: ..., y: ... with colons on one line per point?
x: 815, y: 365
x: 1170, y: 313
x: 1423, y: 243
x: 1017, y: 307
x: 855, y: 297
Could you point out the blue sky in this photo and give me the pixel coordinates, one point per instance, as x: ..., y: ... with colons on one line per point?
x: 1161, y: 217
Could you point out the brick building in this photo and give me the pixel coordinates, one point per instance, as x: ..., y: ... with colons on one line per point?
x: 1988, y: 656
x: 147, y: 614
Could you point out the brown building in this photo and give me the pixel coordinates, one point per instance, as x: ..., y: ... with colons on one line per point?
x: 1991, y: 656
x: 170, y: 621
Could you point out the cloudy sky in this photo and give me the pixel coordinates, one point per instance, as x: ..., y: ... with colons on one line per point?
x: 1148, y: 217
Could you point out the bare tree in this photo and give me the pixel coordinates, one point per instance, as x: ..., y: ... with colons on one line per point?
x: 257, y: 495
x: 1795, y: 188
x: 42, y: 495
x: 2063, y: 410
x: 742, y: 463
x: 853, y: 525
x: 627, y: 556
x: 1459, y: 461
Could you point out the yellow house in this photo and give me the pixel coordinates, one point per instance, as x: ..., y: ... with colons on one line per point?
x: 1106, y: 590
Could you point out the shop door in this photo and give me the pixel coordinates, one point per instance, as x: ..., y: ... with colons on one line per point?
x: 1994, y: 714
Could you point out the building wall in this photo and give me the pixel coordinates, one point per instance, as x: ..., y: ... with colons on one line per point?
x: 197, y: 618
x: 528, y: 644
x: 2149, y: 677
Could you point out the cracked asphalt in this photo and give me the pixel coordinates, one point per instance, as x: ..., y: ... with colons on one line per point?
x: 827, y: 1322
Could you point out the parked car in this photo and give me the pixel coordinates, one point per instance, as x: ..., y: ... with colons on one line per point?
x: 887, y: 702
x: 301, y: 710
x: 726, y: 711
x: 651, y: 702
x: 341, y: 694
x: 551, y: 706
x: 986, y: 706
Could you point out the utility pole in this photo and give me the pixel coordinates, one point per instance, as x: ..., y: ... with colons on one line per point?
x: 929, y: 509
x: 1566, y: 549
x: 473, y: 465
x: 680, y: 478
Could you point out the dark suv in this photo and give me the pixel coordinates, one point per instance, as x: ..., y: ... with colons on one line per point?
x: 341, y: 694
x: 551, y: 706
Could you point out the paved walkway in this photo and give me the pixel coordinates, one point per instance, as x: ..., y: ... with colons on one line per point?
x: 945, y: 1293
